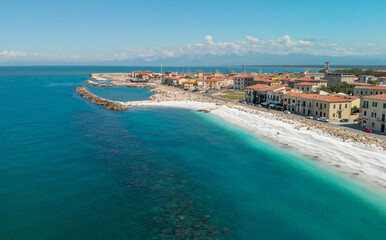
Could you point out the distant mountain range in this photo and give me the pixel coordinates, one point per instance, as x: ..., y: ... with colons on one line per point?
x: 249, y: 59
x: 253, y: 59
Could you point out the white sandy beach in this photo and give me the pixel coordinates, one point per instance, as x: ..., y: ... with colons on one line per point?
x: 359, y: 160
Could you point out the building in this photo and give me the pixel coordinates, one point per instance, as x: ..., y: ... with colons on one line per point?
x: 369, y: 90
x: 365, y: 78
x: 189, y: 84
x: 318, y: 82
x: 173, y: 81
x: 242, y: 81
x: 213, y: 83
x: 382, y: 81
x: 328, y: 106
x: 335, y: 78
x: 258, y: 93
x: 268, y: 82
x: 313, y: 75
x: 373, y: 112
x: 306, y: 87
x: 356, y: 84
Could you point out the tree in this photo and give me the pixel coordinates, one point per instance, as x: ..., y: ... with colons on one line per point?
x: 355, y: 109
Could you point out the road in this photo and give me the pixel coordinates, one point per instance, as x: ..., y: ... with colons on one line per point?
x: 346, y: 126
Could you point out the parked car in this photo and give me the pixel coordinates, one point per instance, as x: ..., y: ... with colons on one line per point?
x: 316, y: 118
x: 258, y: 105
x: 357, y: 120
x: 310, y: 117
x: 287, y: 112
x: 323, y: 119
x: 368, y: 130
x: 344, y: 120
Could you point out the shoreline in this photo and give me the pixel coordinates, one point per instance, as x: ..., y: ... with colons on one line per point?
x: 356, y: 160
x: 353, y: 154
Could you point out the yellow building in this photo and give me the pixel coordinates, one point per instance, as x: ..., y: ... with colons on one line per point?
x: 328, y: 106
x: 189, y: 84
x: 373, y: 112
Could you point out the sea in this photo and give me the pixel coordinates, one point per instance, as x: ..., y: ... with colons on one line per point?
x: 70, y: 169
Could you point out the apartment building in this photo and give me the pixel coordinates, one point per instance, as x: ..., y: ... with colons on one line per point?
x: 373, y: 112
x: 335, y: 78
x: 306, y: 87
x: 242, y: 81
x: 369, y: 90
x: 328, y: 106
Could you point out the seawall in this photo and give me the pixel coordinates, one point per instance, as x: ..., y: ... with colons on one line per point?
x: 110, y: 105
x: 89, y: 82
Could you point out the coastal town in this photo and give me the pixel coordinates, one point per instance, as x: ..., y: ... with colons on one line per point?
x: 345, y: 99
x: 330, y: 116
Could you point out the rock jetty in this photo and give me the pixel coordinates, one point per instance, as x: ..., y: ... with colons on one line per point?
x: 92, y: 83
x: 110, y: 105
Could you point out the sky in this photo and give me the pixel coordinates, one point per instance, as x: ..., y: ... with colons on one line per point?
x: 96, y: 30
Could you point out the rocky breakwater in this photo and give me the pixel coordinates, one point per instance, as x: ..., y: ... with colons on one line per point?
x: 92, y: 83
x: 110, y: 105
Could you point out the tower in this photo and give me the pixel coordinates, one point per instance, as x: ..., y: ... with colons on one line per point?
x: 326, y: 66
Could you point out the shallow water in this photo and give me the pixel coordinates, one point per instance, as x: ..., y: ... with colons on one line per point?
x: 70, y: 169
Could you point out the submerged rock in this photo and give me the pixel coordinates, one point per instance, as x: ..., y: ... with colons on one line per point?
x: 204, y: 110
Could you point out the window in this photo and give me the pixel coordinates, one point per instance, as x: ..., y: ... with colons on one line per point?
x: 333, y: 115
x: 340, y: 106
x: 364, y: 113
x: 374, y: 104
x: 325, y: 105
x: 383, y: 117
x: 324, y: 114
x: 345, y: 106
x: 334, y: 106
x: 316, y: 104
x: 384, y: 105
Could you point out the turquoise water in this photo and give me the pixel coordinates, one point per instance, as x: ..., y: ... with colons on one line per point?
x: 122, y: 93
x: 70, y: 169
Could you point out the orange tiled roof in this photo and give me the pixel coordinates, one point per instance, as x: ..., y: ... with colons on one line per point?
x: 360, y: 84
x: 263, y: 87
x: 378, y: 88
x: 318, y: 97
x: 304, y: 84
x: 242, y: 75
x: 189, y: 82
x: 211, y: 80
x: 264, y: 80
x: 377, y: 97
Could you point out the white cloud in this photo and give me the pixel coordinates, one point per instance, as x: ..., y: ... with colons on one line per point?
x: 283, y: 45
x: 209, y: 39
x: 11, y: 54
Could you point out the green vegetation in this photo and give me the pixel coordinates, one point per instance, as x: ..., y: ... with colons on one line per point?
x: 358, y: 71
x: 233, y: 94
x: 355, y: 109
x: 340, y: 87
x: 375, y: 82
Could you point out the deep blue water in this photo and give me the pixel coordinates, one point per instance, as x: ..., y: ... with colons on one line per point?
x: 85, y: 70
x: 70, y: 169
